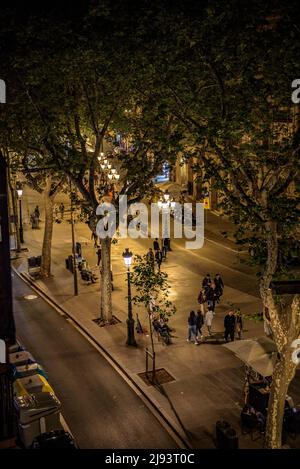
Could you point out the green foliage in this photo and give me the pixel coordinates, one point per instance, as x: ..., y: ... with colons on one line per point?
x: 152, y: 288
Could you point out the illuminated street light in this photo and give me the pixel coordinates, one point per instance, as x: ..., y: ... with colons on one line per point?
x: 166, y: 196
x: 127, y: 256
x: 20, y: 193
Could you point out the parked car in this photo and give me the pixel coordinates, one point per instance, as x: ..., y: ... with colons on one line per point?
x: 54, y: 439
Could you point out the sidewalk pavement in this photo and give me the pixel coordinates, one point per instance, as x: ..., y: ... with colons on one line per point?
x: 208, y: 379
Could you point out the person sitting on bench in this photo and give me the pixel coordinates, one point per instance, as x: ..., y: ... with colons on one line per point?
x: 87, y: 274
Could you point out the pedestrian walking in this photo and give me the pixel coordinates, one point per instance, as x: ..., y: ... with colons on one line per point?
x: 202, y: 300
x: 164, y: 249
x: 199, y: 323
x: 150, y: 257
x: 208, y: 320
x: 206, y: 281
x: 62, y: 210
x: 219, y: 285
x: 95, y: 238
x: 238, y: 325
x: 211, y: 296
x: 37, y: 212
x: 192, y: 328
x: 229, y: 325
x: 156, y: 245
x: 158, y: 258
x: 99, y: 255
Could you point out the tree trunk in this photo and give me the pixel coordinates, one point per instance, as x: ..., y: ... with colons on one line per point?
x: 48, y: 229
x: 106, y: 283
x: 284, y: 371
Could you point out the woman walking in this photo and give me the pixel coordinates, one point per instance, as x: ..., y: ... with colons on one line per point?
x: 202, y: 300
x: 192, y: 328
x: 208, y: 320
x: 239, y: 325
x: 199, y: 324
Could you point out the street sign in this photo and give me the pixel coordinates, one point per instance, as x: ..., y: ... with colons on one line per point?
x: 206, y: 201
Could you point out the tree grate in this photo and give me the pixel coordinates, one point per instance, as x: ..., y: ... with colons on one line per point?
x: 102, y: 323
x: 162, y: 376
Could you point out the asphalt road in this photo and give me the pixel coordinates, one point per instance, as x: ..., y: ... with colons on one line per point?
x: 101, y: 410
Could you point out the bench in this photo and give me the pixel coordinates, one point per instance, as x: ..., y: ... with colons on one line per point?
x: 34, y: 266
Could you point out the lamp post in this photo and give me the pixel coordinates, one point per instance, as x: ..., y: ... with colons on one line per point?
x: 20, y: 192
x: 73, y: 245
x: 127, y: 256
x: 113, y: 177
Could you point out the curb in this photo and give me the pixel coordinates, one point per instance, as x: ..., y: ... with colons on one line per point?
x: 159, y: 413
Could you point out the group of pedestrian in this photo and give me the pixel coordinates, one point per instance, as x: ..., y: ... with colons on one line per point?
x: 195, y: 324
x: 159, y: 253
x: 211, y: 292
x: 233, y: 325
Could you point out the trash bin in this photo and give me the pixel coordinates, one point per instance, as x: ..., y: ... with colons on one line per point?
x: 37, y: 413
x: 226, y: 436
x: 21, y: 358
x: 28, y: 370
x: 15, y: 348
x: 31, y: 384
x: 32, y: 262
x: 38, y: 261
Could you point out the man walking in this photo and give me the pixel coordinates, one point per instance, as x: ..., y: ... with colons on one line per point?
x: 164, y: 247
x: 219, y: 285
x: 206, y: 282
x: 156, y: 245
x: 211, y: 296
x: 229, y: 325
x: 158, y: 258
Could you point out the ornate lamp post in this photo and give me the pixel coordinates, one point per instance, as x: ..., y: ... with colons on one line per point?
x: 127, y: 256
x: 20, y: 193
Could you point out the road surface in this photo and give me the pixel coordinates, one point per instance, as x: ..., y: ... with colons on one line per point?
x: 100, y: 408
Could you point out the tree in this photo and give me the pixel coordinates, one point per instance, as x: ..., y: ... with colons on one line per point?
x: 226, y: 81
x: 76, y: 100
x: 153, y: 292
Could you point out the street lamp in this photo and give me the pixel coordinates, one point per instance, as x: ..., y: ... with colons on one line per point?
x: 127, y: 256
x: 166, y: 196
x: 20, y: 193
